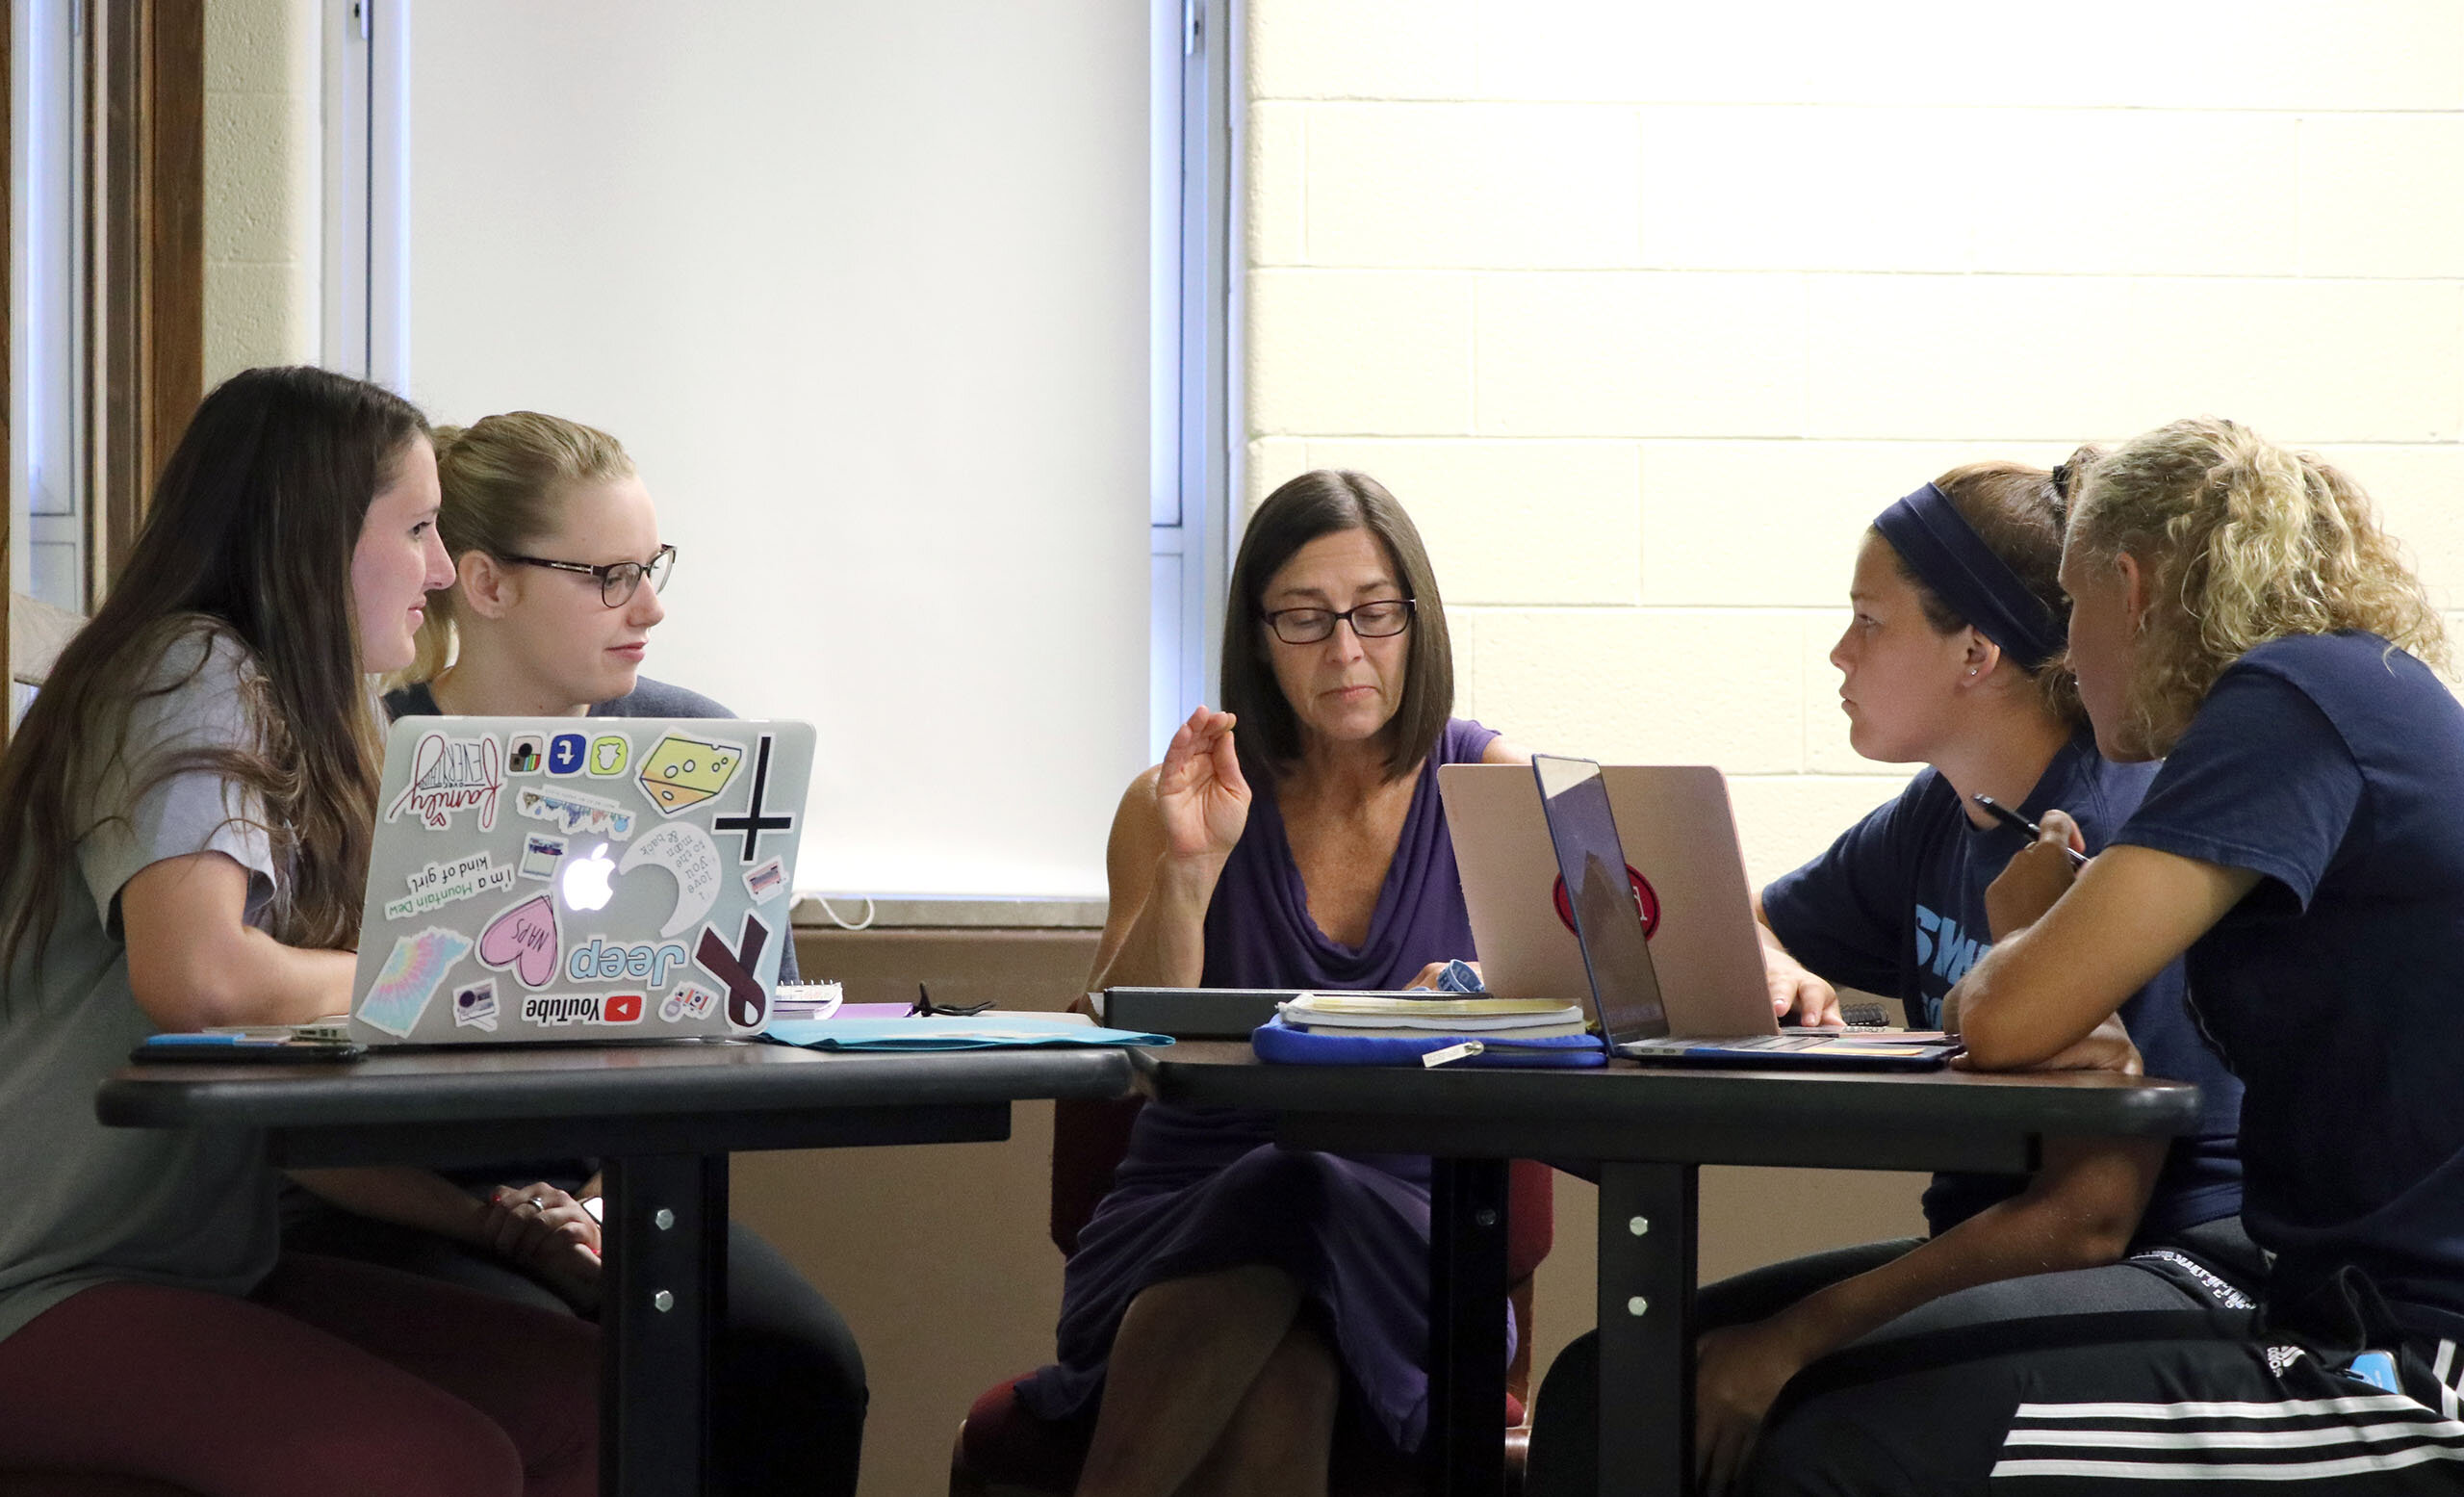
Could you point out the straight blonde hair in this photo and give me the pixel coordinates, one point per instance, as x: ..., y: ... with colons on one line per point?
x: 502, y: 479
x: 2240, y: 541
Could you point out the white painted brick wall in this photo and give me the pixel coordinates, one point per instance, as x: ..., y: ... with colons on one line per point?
x: 263, y: 220
x: 1646, y: 310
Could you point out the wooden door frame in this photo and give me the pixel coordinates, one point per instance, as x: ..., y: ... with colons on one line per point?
x: 142, y: 140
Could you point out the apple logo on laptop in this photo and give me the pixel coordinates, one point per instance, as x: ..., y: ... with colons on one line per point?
x: 586, y: 880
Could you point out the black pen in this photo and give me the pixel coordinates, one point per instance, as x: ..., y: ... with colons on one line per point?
x: 2009, y: 818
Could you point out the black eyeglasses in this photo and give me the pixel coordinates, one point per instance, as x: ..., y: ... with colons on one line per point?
x: 617, y: 580
x: 1368, y: 620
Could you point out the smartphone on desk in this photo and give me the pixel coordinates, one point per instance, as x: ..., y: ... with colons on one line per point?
x: 236, y: 1049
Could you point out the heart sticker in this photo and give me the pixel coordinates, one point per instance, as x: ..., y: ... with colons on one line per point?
x: 523, y: 937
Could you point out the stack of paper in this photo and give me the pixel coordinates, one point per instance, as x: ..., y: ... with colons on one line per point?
x: 1343, y: 1013
x: 807, y: 1000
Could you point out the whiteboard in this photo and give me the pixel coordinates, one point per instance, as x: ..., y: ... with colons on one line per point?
x: 863, y: 289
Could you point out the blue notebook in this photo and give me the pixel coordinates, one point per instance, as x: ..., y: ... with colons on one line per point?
x: 1282, y: 1045
x: 989, y: 1032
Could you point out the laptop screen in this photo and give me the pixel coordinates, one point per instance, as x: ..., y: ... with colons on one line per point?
x: 1624, y: 985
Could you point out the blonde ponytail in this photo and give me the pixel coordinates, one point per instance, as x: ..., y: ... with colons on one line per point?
x: 2240, y: 541
x: 502, y: 477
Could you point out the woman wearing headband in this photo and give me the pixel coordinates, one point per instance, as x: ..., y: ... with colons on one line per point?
x: 1953, y: 659
x: 2238, y: 612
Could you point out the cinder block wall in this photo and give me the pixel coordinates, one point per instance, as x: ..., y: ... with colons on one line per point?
x: 264, y: 225
x: 1645, y: 310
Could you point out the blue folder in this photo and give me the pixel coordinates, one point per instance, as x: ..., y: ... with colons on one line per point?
x: 1282, y: 1045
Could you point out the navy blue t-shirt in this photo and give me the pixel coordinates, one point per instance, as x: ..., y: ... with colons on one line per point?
x: 2335, y: 770
x: 1896, y: 906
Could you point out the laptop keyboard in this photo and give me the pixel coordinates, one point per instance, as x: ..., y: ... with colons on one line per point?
x: 1767, y: 1041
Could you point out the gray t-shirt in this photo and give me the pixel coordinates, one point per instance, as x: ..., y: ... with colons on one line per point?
x: 87, y: 1204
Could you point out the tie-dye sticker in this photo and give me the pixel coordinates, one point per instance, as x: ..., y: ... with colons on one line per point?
x: 410, y: 977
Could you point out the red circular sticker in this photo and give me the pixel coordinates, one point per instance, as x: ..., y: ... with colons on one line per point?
x: 1646, y: 902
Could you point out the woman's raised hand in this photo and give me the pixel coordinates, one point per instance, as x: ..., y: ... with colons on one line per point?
x: 1200, y: 794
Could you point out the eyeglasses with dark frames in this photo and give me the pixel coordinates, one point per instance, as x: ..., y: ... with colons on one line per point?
x: 618, y: 581
x: 1379, y: 620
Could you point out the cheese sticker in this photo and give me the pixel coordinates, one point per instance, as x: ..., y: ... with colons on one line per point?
x: 681, y: 772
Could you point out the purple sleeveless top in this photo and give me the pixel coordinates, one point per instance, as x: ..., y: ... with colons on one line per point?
x: 1258, y: 929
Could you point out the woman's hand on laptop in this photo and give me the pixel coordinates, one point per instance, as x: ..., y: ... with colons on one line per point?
x: 1794, y: 989
x: 545, y: 1232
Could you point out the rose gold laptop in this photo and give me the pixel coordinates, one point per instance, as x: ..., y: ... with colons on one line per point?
x: 1672, y: 829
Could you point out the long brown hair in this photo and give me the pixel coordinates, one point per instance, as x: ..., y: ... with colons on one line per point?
x: 1313, y: 504
x: 250, y: 538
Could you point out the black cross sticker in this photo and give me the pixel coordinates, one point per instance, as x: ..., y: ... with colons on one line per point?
x: 753, y: 823
x: 746, y: 1002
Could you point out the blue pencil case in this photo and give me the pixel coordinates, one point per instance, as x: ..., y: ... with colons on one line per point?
x: 1280, y: 1044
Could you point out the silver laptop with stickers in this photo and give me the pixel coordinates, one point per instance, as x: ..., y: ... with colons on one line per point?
x: 579, y: 879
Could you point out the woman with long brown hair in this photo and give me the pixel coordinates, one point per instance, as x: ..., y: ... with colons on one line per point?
x: 185, y: 820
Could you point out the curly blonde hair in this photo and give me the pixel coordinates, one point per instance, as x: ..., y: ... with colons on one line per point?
x: 2240, y: 541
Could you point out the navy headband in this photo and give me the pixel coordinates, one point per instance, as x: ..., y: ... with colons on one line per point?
x: 1948, y: 555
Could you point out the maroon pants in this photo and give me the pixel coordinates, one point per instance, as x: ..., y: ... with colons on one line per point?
x: 333, y: 1377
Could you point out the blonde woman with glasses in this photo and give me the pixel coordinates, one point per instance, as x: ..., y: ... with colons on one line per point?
x: 559, y: 568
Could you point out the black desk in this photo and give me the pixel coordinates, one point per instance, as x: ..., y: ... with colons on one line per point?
x: 1650, y: 1129
x: 664, y: 1118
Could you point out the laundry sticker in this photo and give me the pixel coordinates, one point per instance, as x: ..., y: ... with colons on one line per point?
x: 565, y: 754
x: 441, y: 884
x: 682, y: 771
x: 475, y: 1007
x: 524, y: 939
x: 449, y: 775
x: 764, y: 882
x: 571, y: 810
x: 581, y: 1008
x: 689, y: 1001
x: 410, y: 977
x: 755, y: 821
x: 539, y: 855
x: 685, y: 851
x: 609, y: 754
x: 527, y: 754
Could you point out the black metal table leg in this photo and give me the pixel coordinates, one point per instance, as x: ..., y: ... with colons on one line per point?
x: 1646, y: 1328
x: 1466, y: 1324
x: 664, y: 1291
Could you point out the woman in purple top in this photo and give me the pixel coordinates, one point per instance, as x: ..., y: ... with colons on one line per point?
x: 1229, y: 1300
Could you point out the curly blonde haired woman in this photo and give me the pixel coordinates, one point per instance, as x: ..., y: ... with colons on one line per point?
x: 2237, y: 612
